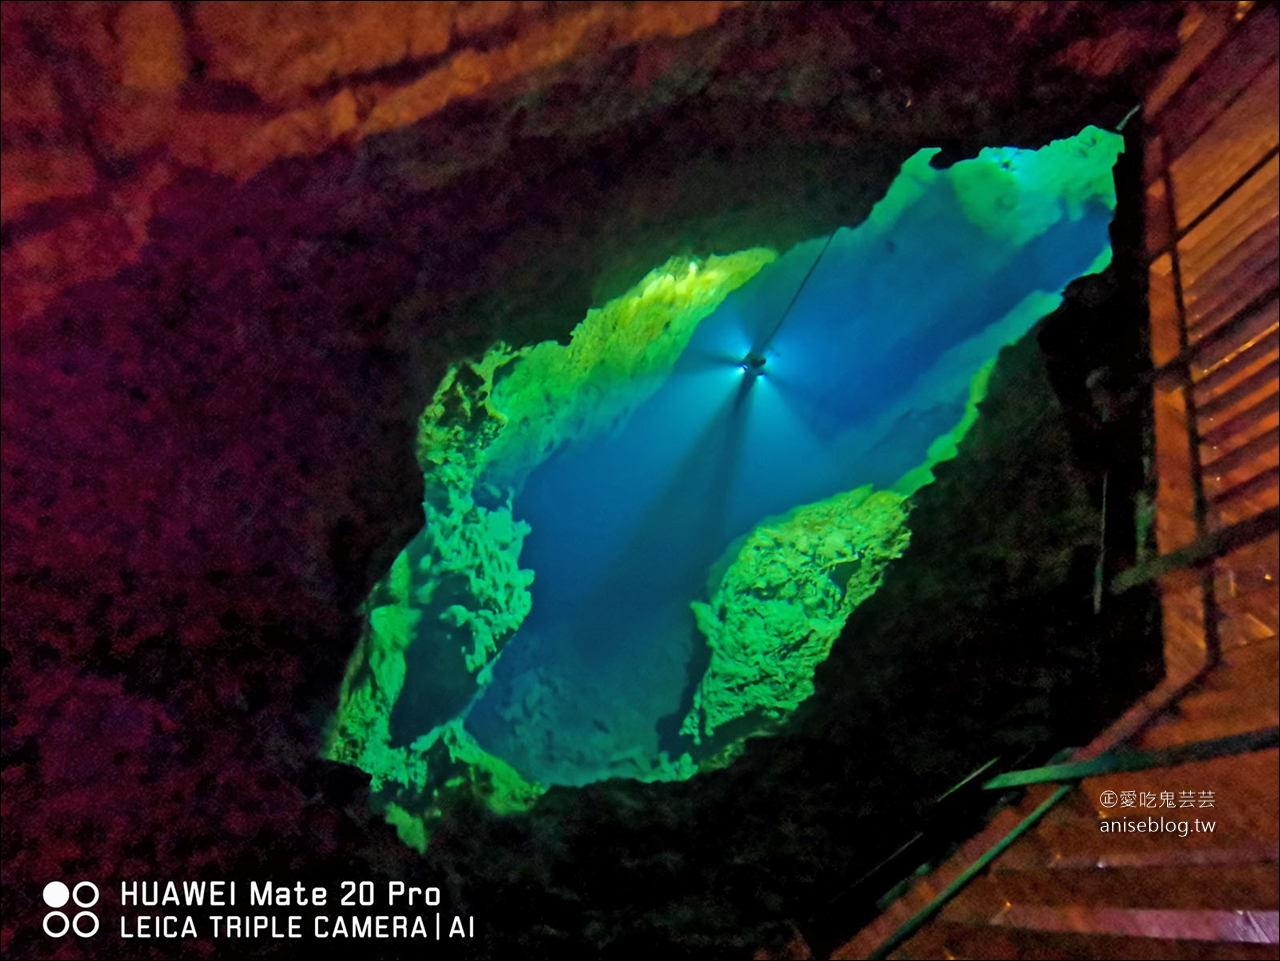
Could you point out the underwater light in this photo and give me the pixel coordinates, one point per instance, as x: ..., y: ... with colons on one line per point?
x: 753, y: 363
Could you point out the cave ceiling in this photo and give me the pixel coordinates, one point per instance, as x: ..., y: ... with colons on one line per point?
x: 551, y: 152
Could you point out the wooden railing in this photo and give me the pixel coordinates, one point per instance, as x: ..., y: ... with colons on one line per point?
x: 1212, y: 183
x: 1213, y: 238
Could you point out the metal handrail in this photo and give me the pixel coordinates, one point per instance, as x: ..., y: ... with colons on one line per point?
x: 1067, y: 776
x: 1118, y: 760
x: 930, y: 910
x: 949, y: 809
x: 1215, y: 544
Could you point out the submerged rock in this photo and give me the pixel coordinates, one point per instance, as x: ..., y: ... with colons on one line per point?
x: 784, y: 599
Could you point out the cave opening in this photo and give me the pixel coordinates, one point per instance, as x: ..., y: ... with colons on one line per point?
x: 641, y: 544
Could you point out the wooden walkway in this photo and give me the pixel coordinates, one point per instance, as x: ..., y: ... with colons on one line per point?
x: 1072, y: 887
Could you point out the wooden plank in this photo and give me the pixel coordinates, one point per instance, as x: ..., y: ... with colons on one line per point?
x: 1236, y: 140
x: 1266, y: 374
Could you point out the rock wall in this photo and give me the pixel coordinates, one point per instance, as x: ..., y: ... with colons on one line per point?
x: 108, y: 106
x: 455, y: 595
x: 226, y: 300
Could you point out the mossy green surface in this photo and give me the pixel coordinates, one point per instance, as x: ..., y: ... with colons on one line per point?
x: 783, y: 601
x: 494, y: 419
x: 1016, y: 195
x: 490, y: 421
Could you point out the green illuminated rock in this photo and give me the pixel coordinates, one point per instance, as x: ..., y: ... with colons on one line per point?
x: 783, y: 600
x: 458, y: 588
x: 493, y: 420
x: 1016, y: 195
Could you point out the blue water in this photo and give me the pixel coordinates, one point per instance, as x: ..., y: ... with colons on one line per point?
x: 625, y: 526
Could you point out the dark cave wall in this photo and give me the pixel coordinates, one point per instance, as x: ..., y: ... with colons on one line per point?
x: 214, y: 358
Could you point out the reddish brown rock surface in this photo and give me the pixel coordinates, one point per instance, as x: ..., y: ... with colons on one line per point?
x: 107, y: 103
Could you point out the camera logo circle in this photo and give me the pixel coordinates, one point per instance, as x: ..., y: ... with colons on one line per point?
x: 84, y: 895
